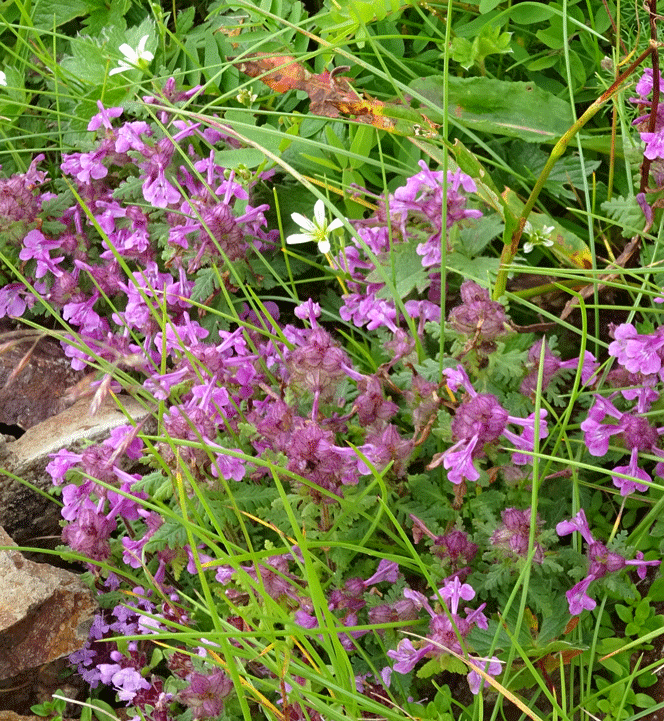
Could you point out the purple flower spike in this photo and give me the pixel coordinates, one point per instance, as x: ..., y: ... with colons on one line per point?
x: 513, y: 534
x: 602, y: 561
x: 478, y: 422
x: 205, y: 694
x: 634, y: 430
x: 478, y: 316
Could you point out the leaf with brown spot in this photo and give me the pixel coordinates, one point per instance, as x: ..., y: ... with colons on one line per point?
x: 331, y: 95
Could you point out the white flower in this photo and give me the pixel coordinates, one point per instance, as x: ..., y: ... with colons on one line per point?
x: 538, y: 237
x: 133, y: 58
x: 3, y: 78
x: 246, y: 97
x: 316, y: 230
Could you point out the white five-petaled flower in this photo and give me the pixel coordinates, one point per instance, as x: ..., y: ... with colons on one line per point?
x: 133, y: 58
x: 316, y: 230
x: 538, y: 237
x: 3, y: 78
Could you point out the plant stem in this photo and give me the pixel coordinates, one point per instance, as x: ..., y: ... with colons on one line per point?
x: 511, y: 245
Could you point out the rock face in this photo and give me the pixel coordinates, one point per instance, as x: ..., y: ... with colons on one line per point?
x: 45, y: 615
x: 36, y: 378
x: 25, y: 513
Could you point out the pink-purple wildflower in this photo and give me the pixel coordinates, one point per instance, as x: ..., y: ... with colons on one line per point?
x: 601, y: 562
x: 480, y: 421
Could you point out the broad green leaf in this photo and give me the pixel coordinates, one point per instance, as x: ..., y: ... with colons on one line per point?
x: 529, y: 13
x: 48, y: 13
x: 499, y: 107
x: 248, y: 157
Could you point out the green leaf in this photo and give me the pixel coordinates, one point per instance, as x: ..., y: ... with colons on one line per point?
x: 233, y: 158
x: 409, y: 274
x: 499, y: 107
x: 656, y: 591
x: 462, y: 52
x: 48, y: 13
x: 626, y: 212
x: 642, y: 700
x: 104, y: 15
x: 624, y: 613
x: 529, y: 13
x: 492, y: 42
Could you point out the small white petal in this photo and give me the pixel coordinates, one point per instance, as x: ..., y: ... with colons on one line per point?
x: 336, y: 223
x: 324, y: 247
x: 319, y: 213
x: 127, y: 51
x: 298, y: 238
x: 3, y: 78
x: 122, y: 67
x: 303, y: 222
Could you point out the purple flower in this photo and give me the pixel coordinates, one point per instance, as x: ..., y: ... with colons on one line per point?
x: 654, y: 145
x: 36, y: 246
x: 15, y: 298
x: 512, y: 535
x: 478, y: 422
x: 445, y: 630
x: 407, y: 656
x: 317, y: 364
x: 634, y: 430
x: 127, y: 681
x: 602, y: 561
x: 421, y: 199
x: 20, y: 198
x: 491, y: 666
x: 638, y: 353
x: 368, y: 310
x: 206, y: 693
x: 552, y: 366
x: 477, y: 316
x: 386, y: 571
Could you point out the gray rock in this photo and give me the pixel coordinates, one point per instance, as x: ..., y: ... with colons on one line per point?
x: 26, y: 509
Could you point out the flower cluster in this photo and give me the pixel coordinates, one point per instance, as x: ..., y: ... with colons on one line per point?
x: 602, y: 561
x: 448, y: 630
x: 260, y: 402
x: 478, y: 422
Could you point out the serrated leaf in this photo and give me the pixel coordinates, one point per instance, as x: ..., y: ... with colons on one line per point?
x: 626, y: 212
x: 442, y: 663
x: 206, y: 283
